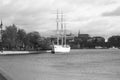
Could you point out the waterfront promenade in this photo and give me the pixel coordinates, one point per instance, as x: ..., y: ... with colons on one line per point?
x: 21, y: 52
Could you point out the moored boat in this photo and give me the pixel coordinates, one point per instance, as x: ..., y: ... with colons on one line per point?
x: 63, y: 47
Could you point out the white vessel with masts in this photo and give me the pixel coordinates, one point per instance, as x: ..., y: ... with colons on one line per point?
x: 61, y: 34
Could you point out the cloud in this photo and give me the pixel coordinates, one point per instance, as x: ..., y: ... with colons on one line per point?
x: 40, y: 15
x: 105, y: 27
x: 116, y: 12
x: 93, y: 2
x: 32, y: 13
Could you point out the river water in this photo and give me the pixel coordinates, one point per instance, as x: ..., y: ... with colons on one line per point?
x: 85, y: 64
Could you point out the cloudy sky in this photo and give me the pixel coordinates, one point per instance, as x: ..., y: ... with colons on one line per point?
x: 95, y: 17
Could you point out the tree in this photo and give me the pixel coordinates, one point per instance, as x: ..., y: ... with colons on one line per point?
x: 99, y: 41
x: 44, y: 43
x: 90, y: 43
x: 32, y: 40
x: 21, y: 36
x: 114, y: 41
x: 9, y: 37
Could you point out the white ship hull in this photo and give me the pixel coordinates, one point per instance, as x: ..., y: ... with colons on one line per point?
x: 61, y: 49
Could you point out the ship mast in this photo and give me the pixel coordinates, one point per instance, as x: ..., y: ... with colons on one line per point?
x: 62, y: 28
x: 57, y: 20
x: 65, y: 32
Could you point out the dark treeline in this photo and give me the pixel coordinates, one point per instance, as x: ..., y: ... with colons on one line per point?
x: 85, y: 41
x: 14, y: 38
x: 17, y: 39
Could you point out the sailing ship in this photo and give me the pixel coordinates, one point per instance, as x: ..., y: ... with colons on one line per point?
x: 61, y: 46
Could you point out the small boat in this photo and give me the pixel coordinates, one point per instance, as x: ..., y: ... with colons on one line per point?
x: 61, y: 34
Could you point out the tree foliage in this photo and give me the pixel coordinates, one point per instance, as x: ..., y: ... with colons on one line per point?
x: 17, y: 39
x: 114, y: 41
x: 99, y: 41
x: 21, y: 38
x: 14, y: 38
x: 32, y: 40
x: 10, y: 36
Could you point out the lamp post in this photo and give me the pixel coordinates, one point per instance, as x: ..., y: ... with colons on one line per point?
x: 1, y: 36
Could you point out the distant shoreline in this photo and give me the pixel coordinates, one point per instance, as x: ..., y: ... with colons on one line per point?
x: 44, y: 51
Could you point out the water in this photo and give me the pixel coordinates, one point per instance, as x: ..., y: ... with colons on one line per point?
x: 99, y: 64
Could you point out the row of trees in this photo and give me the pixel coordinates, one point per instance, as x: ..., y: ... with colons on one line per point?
x: 96, y: 42
x: 17, y: 39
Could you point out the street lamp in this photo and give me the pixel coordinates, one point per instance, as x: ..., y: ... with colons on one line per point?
x: 1, y: 36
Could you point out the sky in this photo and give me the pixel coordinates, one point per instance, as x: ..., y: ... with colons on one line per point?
x: 94, y: 17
